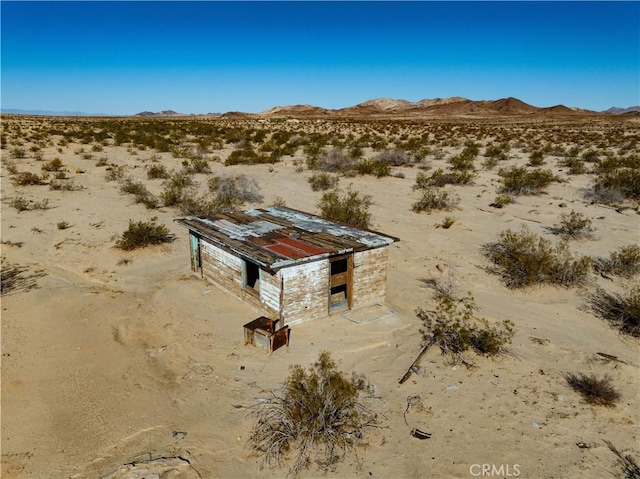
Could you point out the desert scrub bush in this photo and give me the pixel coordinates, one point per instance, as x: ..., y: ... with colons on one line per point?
x: 115, y: 173
x: 573, y: 225
x: 323, y: 181
x: 435, y: 199
x: 447, y: 223
x: 621, y: 310
x: 351, y: 208
x: 144, y: 233
x: 20, y: 203
x: 64, y: 185
x: 317, y: 413
x: 624, y: 262
x: 247, y: 156
x: 576, y: 165
x: 103, y: 161
x: 373, y: 167
x: 395, y: 157
x: 625, y: 463
x: 440, y: 178
x: 157, y: 172
x: 17, y: 152
x: 522, y: 181
x: 501, y: 200
x: 11, y: 167
x: 63, y: 225
x: 140, y: 192
x: 174, y: 188
x: 27, y: 179
x: 625, y: 180
x: 525, y: 259
x: 536, y: 158
x: 603, y: 195
x: 454, y: 328
x: 333, y: 160
x: 232, y: 191
x: 594, y: 390
x: 14, y: 277
x: 196, y: 165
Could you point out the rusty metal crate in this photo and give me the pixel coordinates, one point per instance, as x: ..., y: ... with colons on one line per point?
x: 262, y: 332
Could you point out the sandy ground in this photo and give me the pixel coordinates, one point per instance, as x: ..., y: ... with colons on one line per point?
x: 108, y: 362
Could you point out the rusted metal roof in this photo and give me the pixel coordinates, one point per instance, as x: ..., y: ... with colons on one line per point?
x: 276, y: 237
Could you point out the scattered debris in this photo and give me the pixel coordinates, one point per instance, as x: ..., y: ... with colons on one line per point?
x: 415, y: 363
x: 418, y: 434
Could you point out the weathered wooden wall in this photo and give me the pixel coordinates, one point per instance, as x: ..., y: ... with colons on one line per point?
x: 306, y: 292
x: 369, y: 277
x: 306, y: 286
x: 225, y: 271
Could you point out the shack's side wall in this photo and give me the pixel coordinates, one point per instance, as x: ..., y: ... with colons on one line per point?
x: 225, y: 270
x: 369, y: 277
x: 305, y: 295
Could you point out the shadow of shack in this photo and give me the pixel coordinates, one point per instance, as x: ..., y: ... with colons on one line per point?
x: 290, y: 265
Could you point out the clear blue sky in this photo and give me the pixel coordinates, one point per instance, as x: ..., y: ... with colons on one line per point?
x: 199, y: 57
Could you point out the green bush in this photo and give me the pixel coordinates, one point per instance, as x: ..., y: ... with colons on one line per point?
x: 502, y: 200
x: 455, y: 328
x: 349, y: 208
x: 621, y: 310
x: 573, y: 225
x: 322, y: 181
x: 434, y: 199
x: 525, y: 259
x: 594, y: 390
x: 157, y: 171
x: 624, y: 262
x: 141, y: 234
x: 522, y: 181
x: 316, y: 413
x: 373, y: 167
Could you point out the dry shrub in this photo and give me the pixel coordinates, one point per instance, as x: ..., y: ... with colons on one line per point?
x: 157, y: 171
x: 140, y: 234
x: 434, y: 199
x: 626, y: 463
x: 235, y: 190
x: 63, y: 185
x: 27, y: 179
x: 351, y: 208
x: 624, y: 262
x: 334, y: 160
x: 605, y: 195
x: 53, y: 165
x: 522, y: 181
x: 594, y: 390
x: 395, y: 157
x: 625, y: 180
x: 621, y: 310
x: 525, y: 259
x: 323, y: 181
x: 317, y: 413
x: 573, y: 225
x: 140, y: 192
x: 20, y: 203
x: 501, y: 200
x: 455, y: 328
x: 374, y: 167
x: 115, y: 173
x: 14, y: 277
x: 175, y: 187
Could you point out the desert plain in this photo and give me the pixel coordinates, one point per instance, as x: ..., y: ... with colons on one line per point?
x: 124, y: 364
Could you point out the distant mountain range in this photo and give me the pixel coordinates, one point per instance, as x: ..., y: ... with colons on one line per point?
x: 382, y: 108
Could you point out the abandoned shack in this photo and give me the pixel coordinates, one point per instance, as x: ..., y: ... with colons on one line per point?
x: 293, y: 266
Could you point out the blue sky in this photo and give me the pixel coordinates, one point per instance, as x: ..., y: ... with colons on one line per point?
x: 200, y: 57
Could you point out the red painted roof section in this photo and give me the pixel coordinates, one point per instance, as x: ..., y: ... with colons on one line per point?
x: 287, y: 251
x: 301, y: 245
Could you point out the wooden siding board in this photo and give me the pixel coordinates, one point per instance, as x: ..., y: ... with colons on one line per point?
x: 305, y: 294
x: 369, y: 276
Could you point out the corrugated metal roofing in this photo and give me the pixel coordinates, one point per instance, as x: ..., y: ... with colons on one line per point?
x: 277, y: 236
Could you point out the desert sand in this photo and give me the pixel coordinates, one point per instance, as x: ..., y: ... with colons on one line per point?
x: 118, y: 357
